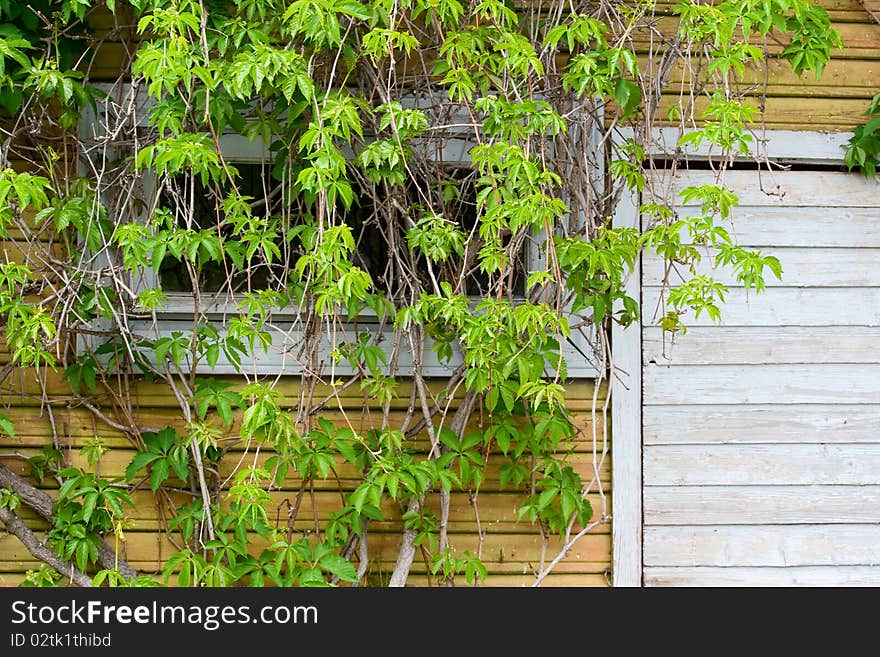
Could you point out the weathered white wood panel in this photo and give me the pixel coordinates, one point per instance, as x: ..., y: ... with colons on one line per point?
x: 711, y: 345
x: 780, y: 227
x: 739, y: 423
x: 762, y: 545
x: 815, y: 576
x: 761, y: 434
x: 788, y: 189
x: 751, y: 465
x: 801, y: 267
x: 819, y: 383
x: 752, y: 505
x: 784, y: 306
x: 286, y: 335
x: 762, y: 384
x: 626, y: 407
x: 776, y: 145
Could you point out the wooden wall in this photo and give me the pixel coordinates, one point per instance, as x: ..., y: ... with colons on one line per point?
x: 834, y: 101
x: 683, y: 503
x: 762, y: 435
x: 512, y: 551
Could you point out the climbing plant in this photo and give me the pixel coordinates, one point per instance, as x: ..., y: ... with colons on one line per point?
x: 406, y: 202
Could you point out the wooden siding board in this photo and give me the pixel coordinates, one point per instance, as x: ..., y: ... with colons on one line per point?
x: 859, y: 38
x: 757, y: 465
x: 14, y: 579
x: 498, y: 513
x: 762, y: 545
x: 763, y: 384
x: 806, y: 576
x: 501, y: 552
x: 762, y: 434
x: 801, y: 267
x: 775, y: 228
x: 626, y: 401
x: 752, y: 423
x: 842, y: 78
x: 716, y: 345
x: 784, y: 306
x: 783, y: 189
x: 768, y: 505
x: 114, y: 462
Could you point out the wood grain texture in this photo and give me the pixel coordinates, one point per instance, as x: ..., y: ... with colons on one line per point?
x: 762, y: 384
x: 755, y: 465
x: 770, y: 146
x: 804, y: 576
x: 501, y: 552
x: 860, y: 39
x: 842, y: 78
x: 762, y: 434
x: 783, y: 112
x: 562, y: 580
x: 757, y: 545
x: 498, y: 512
x: 708, y: 345
x: 755, y: 423
x: 801, y: 267
x: 114, y: 463
x: 782, y: 306
x: 626, y: 418
x: 784, y: 189
x: 761, y: 505
x: 811, y: 227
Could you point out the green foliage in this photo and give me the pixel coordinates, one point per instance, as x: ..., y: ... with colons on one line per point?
x: 164, y: 453
x: 87, y: 507
x: 9, y: 499
x: 282, y: 195
x: 863, y: 149
x: 43, y: 577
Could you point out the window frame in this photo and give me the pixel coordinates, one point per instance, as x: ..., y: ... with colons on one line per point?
x: 177, y: 313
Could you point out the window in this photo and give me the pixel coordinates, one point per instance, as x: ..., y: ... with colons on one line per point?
x: 187, y: 202
x: 379, y: 215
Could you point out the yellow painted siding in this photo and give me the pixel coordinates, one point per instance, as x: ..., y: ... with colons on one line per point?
x: 836, y: 101
x: 511, y: 550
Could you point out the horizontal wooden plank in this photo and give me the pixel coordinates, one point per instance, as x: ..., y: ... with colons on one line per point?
x: 756, y: 465
x: 835, y: 8
x: 35, y: 255
x: 842, y: 78
x: 763, y: 545
x: 788, y: 189
x: 379, y: 571
x: 497, y: 511
x: 579, y: 393
x: 500, y: 552
x: 801, y: 267
x: 114, y: 462
x: 859, y: 39
x: 22, y: 389
x: 812, y: 576
x: 781, y: 306
x: 762, y: 384
x: 676, y: 425
x: 775, y: 148
x: 75, y: 427
x: 814, y: 227
x: 554, y: 580
x: 754, y: 505
x: 711, y: 345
